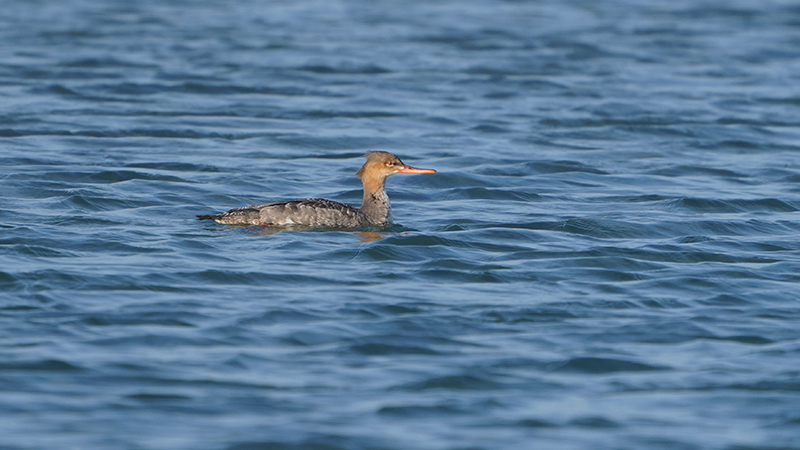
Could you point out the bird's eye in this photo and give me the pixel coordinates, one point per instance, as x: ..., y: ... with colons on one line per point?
x: 390, y: 163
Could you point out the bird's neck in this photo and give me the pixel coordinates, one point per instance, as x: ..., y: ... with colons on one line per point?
x: 376, y: 202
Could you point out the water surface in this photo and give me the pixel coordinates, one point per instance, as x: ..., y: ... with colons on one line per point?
x: 608, y: 257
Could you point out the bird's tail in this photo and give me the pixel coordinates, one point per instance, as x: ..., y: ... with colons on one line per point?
x: 207, y: 217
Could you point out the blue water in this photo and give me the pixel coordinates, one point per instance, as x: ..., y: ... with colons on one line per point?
x: 607, y: 258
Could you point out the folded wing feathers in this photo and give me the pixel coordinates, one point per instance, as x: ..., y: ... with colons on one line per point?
x: 314, y: 212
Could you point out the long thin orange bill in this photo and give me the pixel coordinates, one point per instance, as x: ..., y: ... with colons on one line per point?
x: 409, y: 169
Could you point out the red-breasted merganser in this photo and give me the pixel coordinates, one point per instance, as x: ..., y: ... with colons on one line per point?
x: 318, y: 212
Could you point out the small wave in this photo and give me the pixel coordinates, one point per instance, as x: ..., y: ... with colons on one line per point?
x: 84, y: 200
x: 119, y: 176
x: 595, y: 365
x: 175, y: 167
x: 7, y: 132
x: 332, y: 114
x: 541, y: 167
x: 418, y: 411
x: 451, y: 382
x: 490, y: 129
x: 683, y: 170
x: 281, y: 316
x: 479, y: 193
x: 160, y: 318
x: 609, y: 228
x: 323, y: 69
x: 386, y: 349
x: 714, y: 206
x: 105, y: 63
x: 137, y: 132
x: 528, y: 315
x: 46, y: 365
x: 128, y: 89
x: 157, y: 397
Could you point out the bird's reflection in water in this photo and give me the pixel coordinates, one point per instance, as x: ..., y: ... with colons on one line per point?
x: 267, y: 230
x: 369, y: 236
x: 364, y: 236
